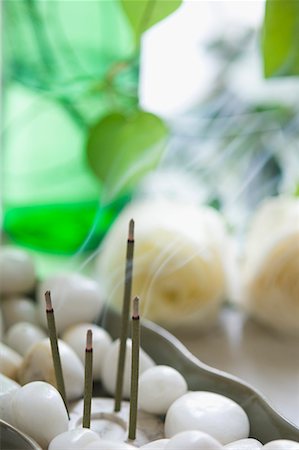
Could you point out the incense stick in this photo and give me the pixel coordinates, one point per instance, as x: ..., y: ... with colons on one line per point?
x: 55, y: 349
x: 88, y: 381
x: 134, y: 369
x: 125, y: 318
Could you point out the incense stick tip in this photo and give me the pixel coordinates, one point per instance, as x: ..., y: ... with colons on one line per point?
x: 135, y: 314
x: 49, y: 306
x: 89, y: 340
x: 131, y: 230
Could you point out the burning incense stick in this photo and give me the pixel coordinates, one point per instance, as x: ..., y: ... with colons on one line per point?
x: 55, y: 349
x: 87, y: 381
x: 125, y: 318
x: 134, y: 369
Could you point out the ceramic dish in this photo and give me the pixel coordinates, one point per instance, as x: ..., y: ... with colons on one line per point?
x: 13, y: 439
x: 265, y: 423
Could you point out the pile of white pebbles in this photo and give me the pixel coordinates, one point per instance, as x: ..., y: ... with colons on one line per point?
x: 30, y: 402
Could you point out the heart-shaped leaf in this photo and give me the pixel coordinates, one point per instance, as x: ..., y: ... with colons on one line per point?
x: 121, y: 149
x: 280, y: 38
x: 143, y: 14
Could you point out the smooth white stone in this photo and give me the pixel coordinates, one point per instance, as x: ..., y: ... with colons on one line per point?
x: 75, y: 299
x: 7, y: 390
x: 21, y: 336
x: 244, y: 444
x: 39, y: 411
x: 38, y: 365
x: 18, y: 309
x: 75, y: 337
x: 282, y: 444
x: 7, y: 384
x: 10, y: 361
x: 110, y: 367
x: 159, y: 387
x: 156, y: 445
x: 73, y: 439
x: 108, y: 445
x: 17, y: 273
x: 212, y: 413
x: 193, y: 440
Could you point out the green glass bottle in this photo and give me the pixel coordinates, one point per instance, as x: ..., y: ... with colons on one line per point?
x: 56, y: 53
x: 63, y: 46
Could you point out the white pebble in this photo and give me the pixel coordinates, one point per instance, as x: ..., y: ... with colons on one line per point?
x: 75, y: 337
x: 21, y: 336
x: 212, y: 413
x: 7, y: 389
x: 10, y: 361
x: 244, y: 444
x: 39, y: 411
x: 281, y: 444
x: 18, y: 309
x: 159, y: 387
x: 193, y: 440
x: 102, y: 444
x: 7, y: 384
x: 75, y: 299
x: 73, y: 439
x: 156, y: 445
x: 110, y: 367
x: 38, y: 365
x: 17, y: 273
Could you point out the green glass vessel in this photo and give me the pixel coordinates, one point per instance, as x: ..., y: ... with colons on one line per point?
x: 57, y: 55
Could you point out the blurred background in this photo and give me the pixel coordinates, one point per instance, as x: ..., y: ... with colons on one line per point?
x: 103, y: 101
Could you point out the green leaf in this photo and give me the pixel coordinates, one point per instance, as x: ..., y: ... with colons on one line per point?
x: 121, y: 150
x: 280, y: 38
x: 143, y: 14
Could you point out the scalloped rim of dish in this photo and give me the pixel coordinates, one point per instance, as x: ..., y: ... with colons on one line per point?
x: 165, y: 348
x: 20, y: 435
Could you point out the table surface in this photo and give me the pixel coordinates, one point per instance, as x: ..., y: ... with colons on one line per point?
x: 261, y: 357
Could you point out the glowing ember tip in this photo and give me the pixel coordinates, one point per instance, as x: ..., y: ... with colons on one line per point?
x: 49, y: 306
x: 89, y: 340
x: 135, y: 314
x: 131, y: 230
